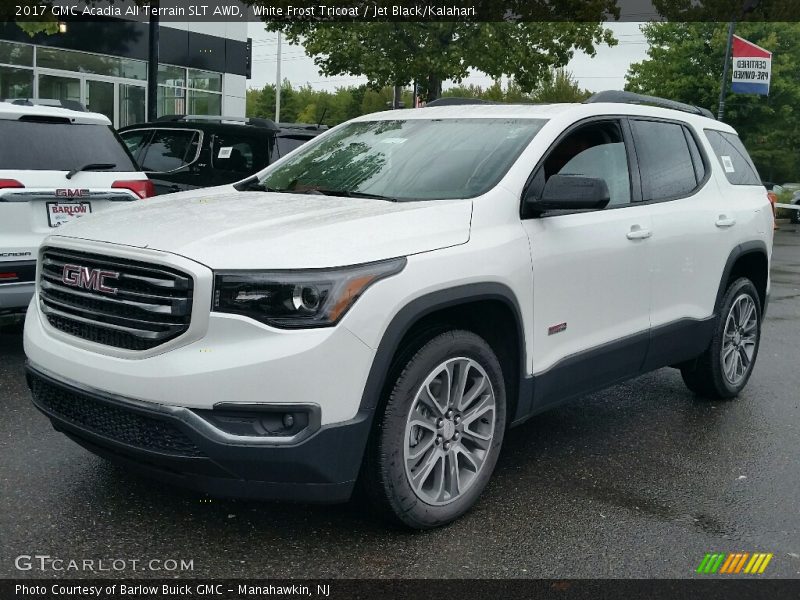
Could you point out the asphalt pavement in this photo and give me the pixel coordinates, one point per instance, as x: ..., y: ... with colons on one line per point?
x: 640, y: 480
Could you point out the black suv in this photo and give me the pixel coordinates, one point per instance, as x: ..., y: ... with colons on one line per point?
x: 186, y: 152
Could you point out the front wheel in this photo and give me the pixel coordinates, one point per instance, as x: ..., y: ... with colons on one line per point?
x: 438, y: 441
x: 723, y: 370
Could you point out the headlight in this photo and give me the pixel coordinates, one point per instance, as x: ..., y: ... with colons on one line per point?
x: 297, y: 299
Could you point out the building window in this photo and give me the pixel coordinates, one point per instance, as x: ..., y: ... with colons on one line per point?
x: 171, y: 101
x: 171, y: 76
x: 16, y: 54
x: 204, y: 103
x: 184, y: 91
x: 15, y: 83
x: 96, y: 64
x: 205, y: 80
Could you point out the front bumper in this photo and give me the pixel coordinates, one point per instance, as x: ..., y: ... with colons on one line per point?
x: 176, y: 445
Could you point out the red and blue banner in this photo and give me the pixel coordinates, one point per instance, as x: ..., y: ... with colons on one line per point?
x: 752, y: 68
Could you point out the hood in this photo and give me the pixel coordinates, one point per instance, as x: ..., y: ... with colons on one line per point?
x: 260, y: 230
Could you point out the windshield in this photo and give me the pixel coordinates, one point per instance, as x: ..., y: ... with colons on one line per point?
x: 416, y: 159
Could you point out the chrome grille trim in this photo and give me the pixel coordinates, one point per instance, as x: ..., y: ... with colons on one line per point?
x: 152, y: 303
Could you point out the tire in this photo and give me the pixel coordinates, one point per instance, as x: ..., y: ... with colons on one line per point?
x: 443, y: 448
x: 712, y: 375
x: 794, y: 216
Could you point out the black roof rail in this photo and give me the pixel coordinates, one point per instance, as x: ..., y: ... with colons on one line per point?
x: 621, y: 97
x: 254, y: 121
x: 455, y: 101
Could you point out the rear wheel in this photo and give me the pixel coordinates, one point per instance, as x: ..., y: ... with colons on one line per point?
x: 794, y: 215
x: 724, y: 368
x: 438, y: 441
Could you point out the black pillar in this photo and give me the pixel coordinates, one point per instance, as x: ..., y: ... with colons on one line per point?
x: 152, y: 67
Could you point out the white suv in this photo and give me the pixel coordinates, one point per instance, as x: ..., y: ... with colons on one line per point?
x: 56, y: 165
x: 383, y: 303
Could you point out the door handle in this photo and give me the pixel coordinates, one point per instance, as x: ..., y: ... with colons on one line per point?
x: 637, y: 233
x: 725, y: 221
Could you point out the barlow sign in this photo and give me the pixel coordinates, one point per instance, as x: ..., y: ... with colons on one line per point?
x: 752, y: 68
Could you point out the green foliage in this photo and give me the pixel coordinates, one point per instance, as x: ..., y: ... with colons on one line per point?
x: 45, y: 27
x: 685, y: 63
x: 306, y: 105
x: 429, y: 53
x: 558, y: 85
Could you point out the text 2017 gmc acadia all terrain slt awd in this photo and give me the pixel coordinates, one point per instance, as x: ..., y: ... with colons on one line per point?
x: 383, y: 303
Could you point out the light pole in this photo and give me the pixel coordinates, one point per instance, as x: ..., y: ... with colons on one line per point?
x: 747, y: 6
x: 278, y: 83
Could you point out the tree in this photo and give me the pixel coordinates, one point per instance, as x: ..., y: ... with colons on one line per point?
x: 560, y: 87
x: 685, y: 63
x: 400, y: 53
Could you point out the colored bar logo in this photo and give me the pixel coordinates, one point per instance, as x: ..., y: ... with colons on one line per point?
x: 734, y: 563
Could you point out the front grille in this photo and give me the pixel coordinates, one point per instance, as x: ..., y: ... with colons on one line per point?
x: 111, y: 421
x: 135, y: 305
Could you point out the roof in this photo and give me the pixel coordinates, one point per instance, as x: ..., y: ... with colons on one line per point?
x: 573, y: 111
x: 13, y: 112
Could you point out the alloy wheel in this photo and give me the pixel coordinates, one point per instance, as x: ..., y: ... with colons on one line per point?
x: 740, y: 338
x: 449, y: 430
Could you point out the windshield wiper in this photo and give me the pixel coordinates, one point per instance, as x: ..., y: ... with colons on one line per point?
x: 343, y: 193
x: 91, y: 167
x: 253, y: 185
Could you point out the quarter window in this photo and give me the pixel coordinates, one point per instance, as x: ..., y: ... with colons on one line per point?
x: 733, y: 158
x: 665, y: 161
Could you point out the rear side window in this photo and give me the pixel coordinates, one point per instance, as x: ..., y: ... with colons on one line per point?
x: 170, y: 149
x: 733, y: 158
x: 665, y: 160
x: 286, y: 144
x: 60, y: 146
x: 239, y: 153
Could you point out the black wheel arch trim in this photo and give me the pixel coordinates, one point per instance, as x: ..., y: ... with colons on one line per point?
x: 419, y: 308
x: 743, y: 249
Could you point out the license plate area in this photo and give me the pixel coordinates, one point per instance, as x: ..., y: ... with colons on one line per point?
x: 59, y: 213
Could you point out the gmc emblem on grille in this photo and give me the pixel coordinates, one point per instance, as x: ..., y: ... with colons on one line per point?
x: 90, y: 279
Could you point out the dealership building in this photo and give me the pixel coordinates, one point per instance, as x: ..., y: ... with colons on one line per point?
x: 203, y: 67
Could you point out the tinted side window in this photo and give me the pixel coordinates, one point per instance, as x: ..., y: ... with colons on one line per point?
x: 286, y: 144
x: 733, y: 158
x: 170, y: 150
x: 239, y: 153
x: 47, y: 146
x: 595, y: 150
x: 665, y: 163
x: 135, y: 140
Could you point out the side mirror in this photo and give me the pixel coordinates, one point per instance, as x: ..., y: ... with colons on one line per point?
x: 570, y: 192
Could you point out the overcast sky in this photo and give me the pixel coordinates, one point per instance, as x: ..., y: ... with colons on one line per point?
x: 606, y: 71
